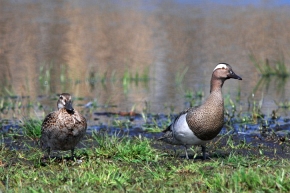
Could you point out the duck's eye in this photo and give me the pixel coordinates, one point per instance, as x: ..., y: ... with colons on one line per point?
x: 60, y: 97
x: 223, y: 68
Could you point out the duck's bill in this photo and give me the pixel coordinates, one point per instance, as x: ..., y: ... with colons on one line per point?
x: 234, y: 76
x: 68, y: 106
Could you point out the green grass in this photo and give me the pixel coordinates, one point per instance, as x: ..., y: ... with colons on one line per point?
x: 124, y: 149
x: 32, y: 128
x: 113, y: 164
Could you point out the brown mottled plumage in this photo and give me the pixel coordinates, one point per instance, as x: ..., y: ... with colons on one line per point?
x: 197, y: 126
x: 64, y: 128
x: 207, y: 120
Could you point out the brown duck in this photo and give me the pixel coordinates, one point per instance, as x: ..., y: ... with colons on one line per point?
x: 197, y: 126
x: 64, y: 128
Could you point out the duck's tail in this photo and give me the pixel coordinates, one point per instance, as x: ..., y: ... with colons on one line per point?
x: 167, y: 136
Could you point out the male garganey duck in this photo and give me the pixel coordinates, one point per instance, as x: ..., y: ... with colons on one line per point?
x: 197, y: 126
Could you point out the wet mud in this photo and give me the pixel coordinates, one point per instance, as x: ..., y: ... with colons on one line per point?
x: 271, y: 141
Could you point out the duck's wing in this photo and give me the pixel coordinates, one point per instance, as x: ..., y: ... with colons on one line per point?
x: 168, y: 133
x: 48, y: 122
x: 169, y: 128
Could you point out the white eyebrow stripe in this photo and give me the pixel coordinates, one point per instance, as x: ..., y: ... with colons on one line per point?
x: 220, y: 66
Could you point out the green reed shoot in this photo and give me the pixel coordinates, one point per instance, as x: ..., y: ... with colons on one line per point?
x: 180, y: 75
x: 278, y: 68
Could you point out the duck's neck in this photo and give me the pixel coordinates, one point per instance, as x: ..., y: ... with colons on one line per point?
x: 216, y: 84
x: 215, y: 99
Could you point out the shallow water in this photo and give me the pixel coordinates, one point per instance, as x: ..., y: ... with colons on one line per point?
x: 92, y: 48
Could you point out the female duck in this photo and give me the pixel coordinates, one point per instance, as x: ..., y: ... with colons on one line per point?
x: 64, y: 128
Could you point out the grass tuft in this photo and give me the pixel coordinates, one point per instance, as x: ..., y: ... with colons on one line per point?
x: 124, y: 149
x: 32, y: 128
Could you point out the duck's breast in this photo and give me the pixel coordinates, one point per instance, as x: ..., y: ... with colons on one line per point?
x: 207, y: 120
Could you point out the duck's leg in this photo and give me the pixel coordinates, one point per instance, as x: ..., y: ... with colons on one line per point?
x: 48, y: 152
x: 203, y: 152
x: 186, y: 154
x: 175, y: 153
x: 72, y: 153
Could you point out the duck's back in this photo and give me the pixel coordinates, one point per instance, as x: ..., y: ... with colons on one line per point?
x: 62, y: 130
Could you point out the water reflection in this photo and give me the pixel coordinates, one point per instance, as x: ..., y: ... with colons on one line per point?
x: 278, y: 83
x: 86, y: 48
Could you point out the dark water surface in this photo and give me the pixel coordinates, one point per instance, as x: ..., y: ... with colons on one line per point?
x: 141, y: 56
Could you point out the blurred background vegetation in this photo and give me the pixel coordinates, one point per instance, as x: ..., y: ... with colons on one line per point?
x: 134, y: 53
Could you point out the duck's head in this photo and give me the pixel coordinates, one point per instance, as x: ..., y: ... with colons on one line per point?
x: 65, y: 101
x: 224, y: 71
